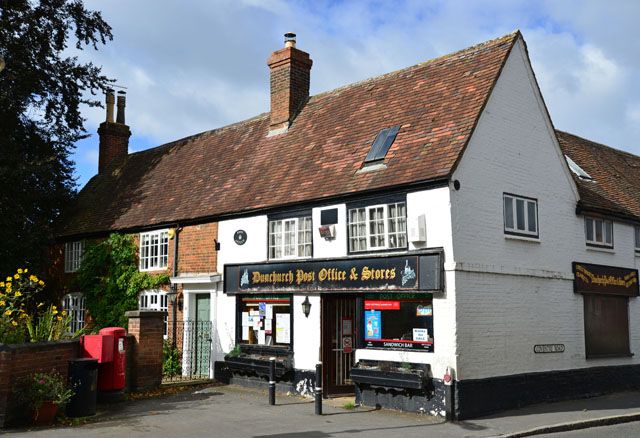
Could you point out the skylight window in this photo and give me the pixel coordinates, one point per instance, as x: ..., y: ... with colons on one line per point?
x: 577, y: 169
x: 381, y: 144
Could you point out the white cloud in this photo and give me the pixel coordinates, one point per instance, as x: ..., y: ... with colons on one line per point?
x: 195, y: 66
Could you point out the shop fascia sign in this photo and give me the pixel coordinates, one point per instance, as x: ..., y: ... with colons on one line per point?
x: 414, y: 272
x: 608, y: 280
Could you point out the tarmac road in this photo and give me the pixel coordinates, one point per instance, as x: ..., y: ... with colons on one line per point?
x: 231, y: 411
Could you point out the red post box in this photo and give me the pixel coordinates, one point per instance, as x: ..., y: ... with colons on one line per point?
x: 111, y: 374
x: 97, y: 347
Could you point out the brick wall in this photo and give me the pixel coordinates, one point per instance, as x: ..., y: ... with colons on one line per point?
x: 22, y: 360
x: 114, y: 145
x: 147, y: 328
x: 196, y: 248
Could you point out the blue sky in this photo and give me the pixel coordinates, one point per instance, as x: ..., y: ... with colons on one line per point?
x: 198, y: 65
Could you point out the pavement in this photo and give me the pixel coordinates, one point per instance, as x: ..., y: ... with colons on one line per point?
x: 233, y: 411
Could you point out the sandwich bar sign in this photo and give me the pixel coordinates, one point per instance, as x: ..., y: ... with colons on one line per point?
x: 400, y: 273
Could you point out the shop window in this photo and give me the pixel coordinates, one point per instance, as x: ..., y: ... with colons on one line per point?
x: 606, y: 325
x: 155, y: 300
x: 378, y: 227
x: 598, y: 232
x: 637, y: 234
x: 520, y: 215
x: 154, y: 250
x: 399, y: 323
x: 290, y: 238
x: 75, y: 307
x: 73, y: 252
x: 264, y: 320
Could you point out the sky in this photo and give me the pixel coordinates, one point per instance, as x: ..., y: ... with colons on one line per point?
x: 196, y: 65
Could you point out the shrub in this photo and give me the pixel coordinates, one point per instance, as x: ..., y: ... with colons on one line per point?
x: 40, y: 387
x: 171, y: 360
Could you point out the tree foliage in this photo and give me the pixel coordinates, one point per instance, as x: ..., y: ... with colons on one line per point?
x: 110, y: 280
x: 42, y: 89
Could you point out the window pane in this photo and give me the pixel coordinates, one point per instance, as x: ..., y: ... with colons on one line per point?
x: 520, y: 214
x: 598, y: 224
x: 588, y: 226
x: 508, y: 212
x: 608, y: 232
x: 531, y: 216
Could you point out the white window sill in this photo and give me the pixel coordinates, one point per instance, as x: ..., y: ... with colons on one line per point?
x: 522, y: 238
x: 600, y: 249
x: 152, y: 269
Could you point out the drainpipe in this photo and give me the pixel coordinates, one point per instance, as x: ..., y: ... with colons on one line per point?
x: 174, y: 287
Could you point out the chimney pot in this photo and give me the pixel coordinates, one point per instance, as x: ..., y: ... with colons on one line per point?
x: 121, y: 105
x: 110, y: 100
x: 289, y: 39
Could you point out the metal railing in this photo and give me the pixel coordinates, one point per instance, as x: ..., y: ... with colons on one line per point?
x: 187, y: 351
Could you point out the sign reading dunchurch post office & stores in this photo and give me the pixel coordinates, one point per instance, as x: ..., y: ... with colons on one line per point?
x: 422, y: 272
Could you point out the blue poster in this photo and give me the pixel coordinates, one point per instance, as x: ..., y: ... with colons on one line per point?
x: 372, y: 324
x: 262, y: 309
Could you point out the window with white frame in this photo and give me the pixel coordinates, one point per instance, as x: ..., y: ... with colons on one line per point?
x: 154, y: 250
x: 520, y: 215
x: 74, y: 305
x: 598, y: 231
x: 156, y: 300
x: 290, y: 238
x: 73, y: 252
x: 637, y: 233
x: 378, y: 227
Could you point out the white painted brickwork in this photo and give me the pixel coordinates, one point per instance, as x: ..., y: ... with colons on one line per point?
x: 512, y: 294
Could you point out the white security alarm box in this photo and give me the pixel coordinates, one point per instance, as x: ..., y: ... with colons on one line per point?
x: 418, y: 229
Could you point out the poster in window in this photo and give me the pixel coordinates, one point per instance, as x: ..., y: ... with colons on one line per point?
x: 421, y: 334
x: 424, y: 310
x: 262, y: 308
x: 283, y: 328
x: 372, y: 324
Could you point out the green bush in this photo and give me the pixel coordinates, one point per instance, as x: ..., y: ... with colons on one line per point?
x: 171, y: 360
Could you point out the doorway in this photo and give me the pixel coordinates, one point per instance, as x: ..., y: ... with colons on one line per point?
x: 339, y: 333
x: 201, y: 336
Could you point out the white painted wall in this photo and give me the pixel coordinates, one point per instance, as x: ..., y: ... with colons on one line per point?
x: 511, y: 293
x: 330, y: 248
x: 254, y: 250
x: 306, y: 333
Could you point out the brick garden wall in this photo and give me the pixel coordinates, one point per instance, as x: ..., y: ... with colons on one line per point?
x: 22, y: 360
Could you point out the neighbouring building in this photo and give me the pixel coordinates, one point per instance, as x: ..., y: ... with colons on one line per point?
x: 429, y: 221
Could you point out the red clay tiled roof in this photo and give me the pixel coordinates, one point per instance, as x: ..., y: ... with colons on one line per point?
x: 238, y: 168
x: 615, y: 188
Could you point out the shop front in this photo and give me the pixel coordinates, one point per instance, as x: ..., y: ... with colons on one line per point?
x: 332, y: 308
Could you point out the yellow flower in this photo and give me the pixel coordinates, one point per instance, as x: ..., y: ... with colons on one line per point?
x: 55, y: 312
x: 8, y: 278
x: 54, y: 307
x: 7, y: 312
x: 20, y: 271
x: 59, y: 318
x: 40, y: 305
x: 16, y: 276
x: 2, y: 303
x: 1, y: 283
x: 23, y: 316
x: 13, y: 323
x: 33, y: 278
x: 64, y: 313
x: 41, y: 283
x: 18, y: 294
x: 26, y: 270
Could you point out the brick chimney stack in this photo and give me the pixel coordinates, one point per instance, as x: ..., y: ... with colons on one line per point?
x: 290, y: 73
x: 114, y: 136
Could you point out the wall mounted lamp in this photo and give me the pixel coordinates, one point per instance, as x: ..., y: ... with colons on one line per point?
x: 306, y: 306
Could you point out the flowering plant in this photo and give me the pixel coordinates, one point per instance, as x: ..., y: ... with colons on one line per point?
x: 20, y: 318
x: 42, y: 387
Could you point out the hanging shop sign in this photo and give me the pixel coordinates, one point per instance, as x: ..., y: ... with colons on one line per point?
x: 607, y: 280
x: 421, y: 272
